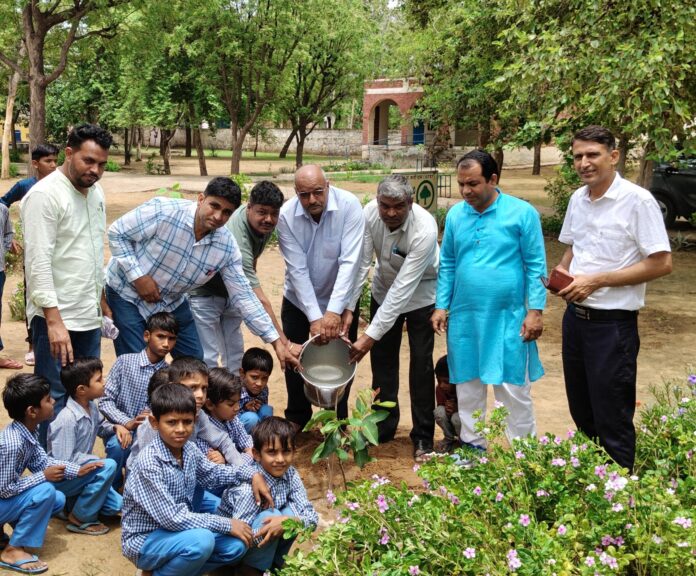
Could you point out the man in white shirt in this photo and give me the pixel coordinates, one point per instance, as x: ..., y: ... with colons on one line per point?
x: 320, y: 232
x: 616, y: 243
x: 403, y: 238
x: 64, y: 221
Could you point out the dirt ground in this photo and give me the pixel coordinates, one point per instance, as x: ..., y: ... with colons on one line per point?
x: 667, y: 327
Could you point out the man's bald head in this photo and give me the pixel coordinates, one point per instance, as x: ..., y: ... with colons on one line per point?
x: 311, y: 187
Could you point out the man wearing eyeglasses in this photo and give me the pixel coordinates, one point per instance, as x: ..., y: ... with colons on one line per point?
x: 321, y: 234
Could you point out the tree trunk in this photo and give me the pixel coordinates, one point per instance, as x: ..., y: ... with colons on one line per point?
x: 163, y: 143
x: 199, y: 151
x: 499, y: 156
x: 126, y: 147
x: 166, y: 138
x: 8, y: 127
x: 286, y: 146
x: 37, y: 117
x: 139, y: 148
x: 647, y: 166
x: 187, y: 146
x: 351, y: 119
x: 536, y: 167
x: 299, y: 152
x: 623, y: 153
x: 484, y: 135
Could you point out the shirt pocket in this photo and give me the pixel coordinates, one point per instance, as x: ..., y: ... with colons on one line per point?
x: 610, y: 245
x: 331, y: 247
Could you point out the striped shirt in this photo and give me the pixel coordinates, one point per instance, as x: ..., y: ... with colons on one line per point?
x: 158, y: 239
x: 125, y: 395
x: 246, y: 397
x: 159, y: 494
x: 235, y: 430
x: 19, y: 450
x: 72, y: 434
x: 238, y: 502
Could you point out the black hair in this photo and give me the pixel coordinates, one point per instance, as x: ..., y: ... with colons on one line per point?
x: 185, y: 366
x: 488, y: 164
x: 442, y: 368
x: 223, y: 385
x: 172, y: 398
x: 257, y: 359
x: 597, y: 134
x: 79, y: 371
x: 266, y: 431
x: 158, y: 378
x: 43, y: 150
x: 267, y: 194
x: 226, y: 188
x: 165, y: 321
x: 23, y: 390
x: 85, y: 132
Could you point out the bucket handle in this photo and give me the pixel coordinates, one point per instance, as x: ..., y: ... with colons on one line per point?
x: 299, y: 368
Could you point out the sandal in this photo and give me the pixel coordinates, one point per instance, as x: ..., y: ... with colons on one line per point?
x: 17, y: 566
x: 84, y: 528
x: 29, y: 358
x: 10, y: 364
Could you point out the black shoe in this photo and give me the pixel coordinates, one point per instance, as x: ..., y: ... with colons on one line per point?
x: 421, y: 449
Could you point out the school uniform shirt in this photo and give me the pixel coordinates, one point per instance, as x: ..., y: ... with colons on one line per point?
x: 125, y: 395
x: 157, y: 239
x: 322, y: 258
x: 246, y: 397
x: 72, y: 434
x: 64, y: 251
x: 159, y: 494
x: 238, y: 501
x: 234, y: 429
x: 20, y: 450
x: 7, y: 233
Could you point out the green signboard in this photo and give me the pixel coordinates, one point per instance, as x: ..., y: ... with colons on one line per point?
x: 424, y: 189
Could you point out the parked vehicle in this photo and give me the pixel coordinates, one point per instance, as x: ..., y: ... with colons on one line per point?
x: 674, y: 187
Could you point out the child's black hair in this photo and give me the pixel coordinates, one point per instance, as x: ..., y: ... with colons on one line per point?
x: 186, y: 366
x: 79, y: 371
x: 43, y: 150
x: 266, y: 431
x: 23, y: 390
x: 223, y: 385
x: 257, y: 359
x: 172, y: 398
x: 441, y: 368
x: 165, y: 321
x: 158, y: 378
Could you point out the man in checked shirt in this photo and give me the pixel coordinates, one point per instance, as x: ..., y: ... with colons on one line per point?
x: 165, y: 248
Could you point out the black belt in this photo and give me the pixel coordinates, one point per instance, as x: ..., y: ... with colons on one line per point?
x: 595, y: 315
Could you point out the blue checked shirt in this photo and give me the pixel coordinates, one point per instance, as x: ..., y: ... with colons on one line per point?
x: 246, y: 397
x: 288, y: 490
x: 159, y: 494
x: 72, y: 434
x: 157, y: 239
x: 235, y: 430
x: 205, y: 435
x: 19, y: 450
x: 125, y: 395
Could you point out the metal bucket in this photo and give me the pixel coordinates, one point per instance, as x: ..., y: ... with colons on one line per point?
x: 326, y: 371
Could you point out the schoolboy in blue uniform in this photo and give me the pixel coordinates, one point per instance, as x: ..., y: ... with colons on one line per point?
x: 72, y: 434
x: 257, y: 365
x: 274, y: 448
x: 161, y: 534
x: 125, y: 399
x: 28, y: 502
x: 222, y: 409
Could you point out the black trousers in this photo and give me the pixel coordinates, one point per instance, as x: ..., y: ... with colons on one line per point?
x: 296, y: 328
x: 384, y: 358
x: 599, y: 366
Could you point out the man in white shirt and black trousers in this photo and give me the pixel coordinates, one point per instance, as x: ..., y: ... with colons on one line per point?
x: 320, y: 233
x: 64, y: 221
x: 617, y: 242
x: 403, y: 238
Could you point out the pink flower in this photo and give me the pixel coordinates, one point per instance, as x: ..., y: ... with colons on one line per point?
x: 618, y: 507
x: 524, y: 520
x: 589, y: 561
x: 499, y: 496
x: 384, y: 536
x: 413, y: 570
x: 600, y: 471
x: 574, y: 462
x: 513, y: 561
x: 557, y: 441
x: 330, y: 498
x: 477, y: 491
x: 470, y: 553
x: 562, y: 530
x: 483, y: 460
x: 544, y: 440
x: 541, y: 493
x: 570, y: 434
x: 519, y: 455
x: 416, y: 467
x: 558, y: 462
x: 682, y: 521
x: 382, y: 503
x: 352, y: 505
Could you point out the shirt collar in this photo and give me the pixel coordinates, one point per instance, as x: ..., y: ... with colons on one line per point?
x: 77, y: 410
x: 331, y: 206
x: 144, y: 361
x: 270, y: 479
x: 612, y: 192
x: 25, y: 433
x: 164, y: 453
x: 491, y: 208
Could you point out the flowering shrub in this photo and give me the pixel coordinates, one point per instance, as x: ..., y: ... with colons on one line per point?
x: 547, y: 506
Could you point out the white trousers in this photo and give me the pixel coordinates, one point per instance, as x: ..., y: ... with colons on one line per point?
x: 471, y: 396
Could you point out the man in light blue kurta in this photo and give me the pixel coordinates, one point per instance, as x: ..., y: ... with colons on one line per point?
x: 491, y: 264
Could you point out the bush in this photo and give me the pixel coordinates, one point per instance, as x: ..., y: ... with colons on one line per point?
x: 354, y: 165
x: 13, y: 170
x: 17, y: 307
x: 13, y: 262
x: 242, y: 180
x: 112, y: 166
x: 546, y: 506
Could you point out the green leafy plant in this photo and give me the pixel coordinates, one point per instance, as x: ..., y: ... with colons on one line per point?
x: 14, y: 262
x: 365, y: 298
x: 355, y: 433
x: 173, y: 192
x: 150, y: 164
x: 547, y: 505
x: 17, y: 306
x: 112, y: 166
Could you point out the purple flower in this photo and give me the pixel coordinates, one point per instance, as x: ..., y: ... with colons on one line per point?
x: 544, y: 440
x: 384, y: 536
x: 570, y: 434
x: 519, y: 455
x: 540, y: 493
x: 663, y: 419
x: 382, y: 503
x: 616, y: 482
x: 477, y: 491
x: 574, y: 462
x: 557, y: 440
x: 608, y: 495
x: 513, y: 561
x: 330, y: 498
x: 618, y: 507
x: 608, y: 560
x: 607, y: 540
x: 379, y: 481
x: 558, y: 462
x: 453, y: 499
x: 352, y: 505
x: 562, y: 530
x: 600, y: 471
x: 342, y: 519
x: 483, y: 460
x: 692, y: 379
x: 682, y: 521
x: 413, y: 570
x: 619, y: 541
x: 469, y: 553
x: 524, y: 520
x: 499, y: 496
x: 416, y: 467
x: 589, y: 561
